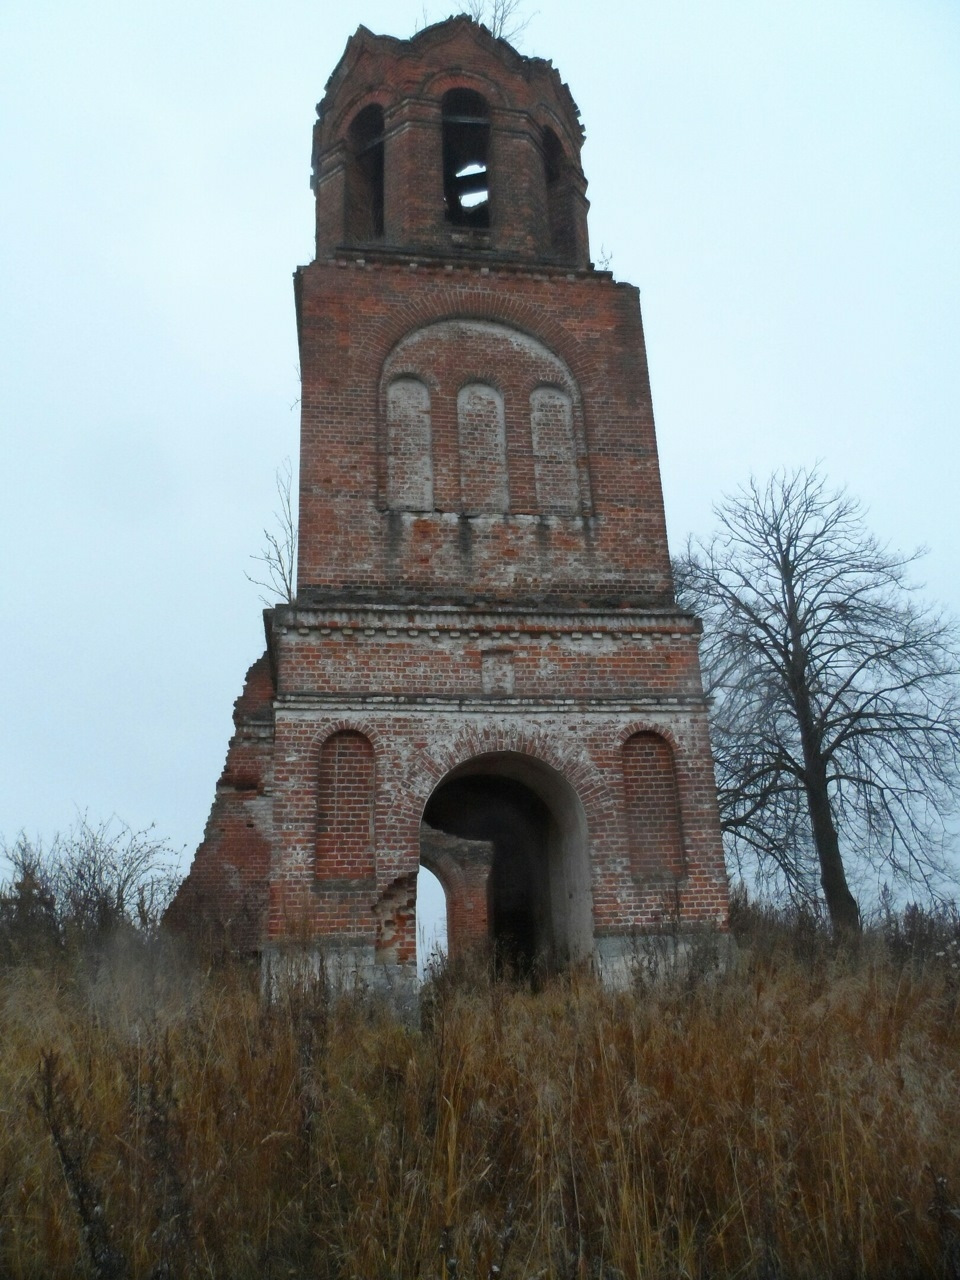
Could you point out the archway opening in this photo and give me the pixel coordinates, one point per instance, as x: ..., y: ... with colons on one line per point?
x: 507, y: 835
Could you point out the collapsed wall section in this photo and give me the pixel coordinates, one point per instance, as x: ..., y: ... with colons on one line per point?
x: 222, y: 902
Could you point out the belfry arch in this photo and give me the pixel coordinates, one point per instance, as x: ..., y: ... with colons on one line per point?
x: 506, y: 834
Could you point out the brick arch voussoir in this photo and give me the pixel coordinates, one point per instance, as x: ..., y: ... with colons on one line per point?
x: 680, y: 756
x: 544, y: 117
x: 470, y: 378
x: 451, y: 303
x: 580, y: 774
x: 404, y: 370
x: 448, y: 872
x: 346, y: 112
x: 333, y: 727
x: 661, y: 731
x: 436, y: 83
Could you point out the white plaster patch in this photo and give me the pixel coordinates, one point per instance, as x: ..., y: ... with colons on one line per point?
x: 496, y: 671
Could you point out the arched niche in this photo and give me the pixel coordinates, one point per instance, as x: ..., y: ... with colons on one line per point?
x: 482, y: 438
x: 526, y: 405
x: 346, y: 780
x: 554, y: 451
x: 653, y: 807
x: 409, y: 446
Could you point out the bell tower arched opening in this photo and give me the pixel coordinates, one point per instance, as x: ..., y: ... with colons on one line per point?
x: 365, y: 176
x: 466, y: 143
x: 507, y: 834
x: 561, y: 211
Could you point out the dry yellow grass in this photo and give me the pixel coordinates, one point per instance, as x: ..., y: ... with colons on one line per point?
x: 787, y: 1117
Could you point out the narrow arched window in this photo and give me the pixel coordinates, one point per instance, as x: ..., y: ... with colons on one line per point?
x: 563, y: 236
x: 364, y: 195
x: 466, y: 144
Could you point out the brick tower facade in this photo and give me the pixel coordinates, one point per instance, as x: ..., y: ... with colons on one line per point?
x: 485, y: 671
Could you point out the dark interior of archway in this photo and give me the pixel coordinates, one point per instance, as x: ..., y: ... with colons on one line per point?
x: 365, y: 176
x: 517, y: 823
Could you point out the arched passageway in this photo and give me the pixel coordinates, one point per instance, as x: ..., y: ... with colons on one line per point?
x: 431, y: 920
x: 507, y: 836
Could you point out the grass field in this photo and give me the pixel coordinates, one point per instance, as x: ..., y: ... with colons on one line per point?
x: 793, y: 1115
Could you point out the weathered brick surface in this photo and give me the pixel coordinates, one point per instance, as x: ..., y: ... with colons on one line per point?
x: 533, y: 121
x: 485, y: 672
x: 518, y: 333
x: 223, y: 899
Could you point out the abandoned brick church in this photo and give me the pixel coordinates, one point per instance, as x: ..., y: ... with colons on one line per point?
x: 485, y: 671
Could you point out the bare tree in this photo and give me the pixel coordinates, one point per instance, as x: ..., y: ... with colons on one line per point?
x: 83, y: 886
x: 504, y: 19
x: 836, y: 712
x: 278, y: 555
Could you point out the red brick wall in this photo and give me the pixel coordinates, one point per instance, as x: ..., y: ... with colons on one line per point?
x: 223, y: 900
x: 417, y: 746
x: 441, y: 653
x: 363, y: 325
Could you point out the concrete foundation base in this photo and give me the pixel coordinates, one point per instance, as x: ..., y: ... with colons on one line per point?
x: 619, y: 963
x: 623, y: 962
x: 338, y: 971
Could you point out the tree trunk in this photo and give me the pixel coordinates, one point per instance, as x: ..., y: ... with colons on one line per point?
x: 841, y: 904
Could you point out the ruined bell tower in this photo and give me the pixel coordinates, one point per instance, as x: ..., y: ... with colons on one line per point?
x: 485, y: 671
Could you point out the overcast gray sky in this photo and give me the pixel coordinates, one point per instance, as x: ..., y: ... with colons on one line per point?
x: 780, y: 177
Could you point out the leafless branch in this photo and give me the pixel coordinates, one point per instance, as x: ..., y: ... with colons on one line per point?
x: 504, y: 19
x: 278, y: 555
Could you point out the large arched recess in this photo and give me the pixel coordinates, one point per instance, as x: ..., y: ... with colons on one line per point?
x: 538, y: 901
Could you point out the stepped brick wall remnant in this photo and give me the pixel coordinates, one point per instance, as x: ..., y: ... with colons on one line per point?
x: 485, y: 671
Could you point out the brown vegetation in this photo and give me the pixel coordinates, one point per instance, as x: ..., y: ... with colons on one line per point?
x: 794, y: 1115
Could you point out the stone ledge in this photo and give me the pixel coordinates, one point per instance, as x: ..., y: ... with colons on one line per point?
x: 486, y: 703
